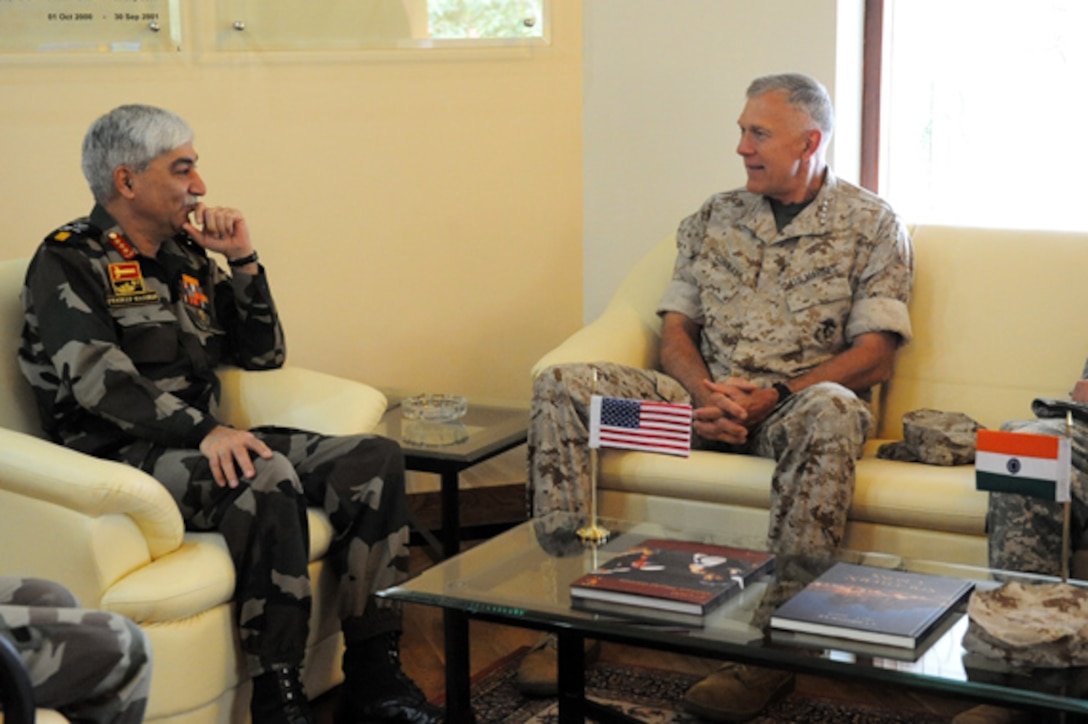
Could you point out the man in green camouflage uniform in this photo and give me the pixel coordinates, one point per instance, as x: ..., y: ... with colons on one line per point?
x: 127, y: 318
x: 91, y: 666
x: 1025, y: 533
x: 787, y: 304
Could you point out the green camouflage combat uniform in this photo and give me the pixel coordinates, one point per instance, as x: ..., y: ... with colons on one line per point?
x: 772, y: 305
x: 91, y: 666
x: 121, y: 351
x: 1025, y: 533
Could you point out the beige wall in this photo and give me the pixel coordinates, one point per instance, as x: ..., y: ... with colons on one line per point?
x: 664, y: 84
x: 422, y: 214
x: 419, y: 213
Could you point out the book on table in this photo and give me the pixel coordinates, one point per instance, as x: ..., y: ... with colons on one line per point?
x: 670, y: 580
x: 872, y: 605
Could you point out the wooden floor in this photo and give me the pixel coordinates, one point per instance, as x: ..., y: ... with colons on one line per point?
x: 422, y: 655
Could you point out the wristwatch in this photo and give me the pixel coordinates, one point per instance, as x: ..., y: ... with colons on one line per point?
x: 783, y: 390
x: 242, y: 261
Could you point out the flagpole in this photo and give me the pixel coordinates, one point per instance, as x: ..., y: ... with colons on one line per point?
x: 593, y: 533
x: 1066, y: 507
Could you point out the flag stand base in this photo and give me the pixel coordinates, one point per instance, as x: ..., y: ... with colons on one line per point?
x: 594, y: 534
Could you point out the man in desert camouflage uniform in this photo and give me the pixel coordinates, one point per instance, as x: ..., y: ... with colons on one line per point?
x: 787, y: 304
x: 91, y: 666
x: 127, y: 318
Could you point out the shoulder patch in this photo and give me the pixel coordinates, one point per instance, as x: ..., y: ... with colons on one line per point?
x: 70, y: 232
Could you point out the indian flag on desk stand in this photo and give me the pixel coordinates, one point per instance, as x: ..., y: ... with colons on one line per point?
x: 1024, y: 463
x: 662, y: 427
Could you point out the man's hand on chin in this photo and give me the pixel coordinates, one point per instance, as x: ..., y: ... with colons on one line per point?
x: 220, y: 229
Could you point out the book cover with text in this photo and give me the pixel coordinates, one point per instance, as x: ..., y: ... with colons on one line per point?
x: 684, y: 577
x: 871, y: 604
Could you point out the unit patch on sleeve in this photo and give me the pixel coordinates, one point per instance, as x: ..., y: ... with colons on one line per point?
x: 127, y: 282
x: 196, y: 301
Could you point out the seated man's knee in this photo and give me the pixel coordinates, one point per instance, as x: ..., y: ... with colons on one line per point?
x: 564, y: 383
x: 833, y: 407
x: 42, y: 592
x: 389, y: 450
x: 559, y: 377
x: 841, y: 398
x: 275, y: 474
x: 102, y: 632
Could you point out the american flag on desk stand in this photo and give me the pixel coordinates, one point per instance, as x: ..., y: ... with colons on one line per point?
x: 662, y: 427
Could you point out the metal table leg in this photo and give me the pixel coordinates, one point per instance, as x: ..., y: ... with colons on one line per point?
x: 451, y: 513
x: 458, y: 681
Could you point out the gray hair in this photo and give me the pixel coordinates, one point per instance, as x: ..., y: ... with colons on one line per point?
x: 804, y: 92
x: 130, y: 135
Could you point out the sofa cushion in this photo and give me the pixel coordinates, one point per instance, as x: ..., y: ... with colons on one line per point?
x: 885, y: 492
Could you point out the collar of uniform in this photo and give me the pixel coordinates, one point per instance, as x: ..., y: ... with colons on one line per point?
x: 101, y: 219
x: 814, y: 220
x: 111, y: 236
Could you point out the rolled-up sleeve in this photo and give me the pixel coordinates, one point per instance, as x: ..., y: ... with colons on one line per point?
x: 682, y: 294
x: 883, y: 294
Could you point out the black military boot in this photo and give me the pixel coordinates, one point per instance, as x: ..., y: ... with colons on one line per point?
x: 376, y: 689
x: 278, y: 697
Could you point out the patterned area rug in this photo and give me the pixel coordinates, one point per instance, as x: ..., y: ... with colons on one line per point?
x: 653, y: 696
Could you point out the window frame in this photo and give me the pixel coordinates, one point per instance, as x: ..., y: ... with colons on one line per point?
x: 871, y: 83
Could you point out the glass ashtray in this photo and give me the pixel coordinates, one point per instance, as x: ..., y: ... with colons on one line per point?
x: 434, y: 408
x: 429, y: 433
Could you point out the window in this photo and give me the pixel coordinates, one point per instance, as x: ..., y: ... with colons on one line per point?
x: 982, y: 112
x: 347, y: 25
x: 485, y: 18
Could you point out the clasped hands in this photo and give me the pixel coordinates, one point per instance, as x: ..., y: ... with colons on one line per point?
x: 727, y: 410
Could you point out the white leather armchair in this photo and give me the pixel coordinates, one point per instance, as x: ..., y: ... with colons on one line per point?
x: 114, y: 536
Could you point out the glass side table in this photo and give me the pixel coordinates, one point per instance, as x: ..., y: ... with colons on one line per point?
x: 447, y: 448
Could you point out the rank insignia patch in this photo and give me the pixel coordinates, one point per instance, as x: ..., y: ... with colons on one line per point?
x: 127, y: 282
x: 121, y: 245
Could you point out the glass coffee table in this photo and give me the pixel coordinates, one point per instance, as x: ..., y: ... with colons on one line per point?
x: 521, y: 578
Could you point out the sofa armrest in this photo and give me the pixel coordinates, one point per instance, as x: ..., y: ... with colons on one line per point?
x: 628, y: 332
x: 619, y: 335
x: 81, y: 521
x: 34, y: 468
x: 299, y: 398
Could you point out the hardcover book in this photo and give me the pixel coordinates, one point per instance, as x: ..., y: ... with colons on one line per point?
x: 873, y: 605
x: 669, y: 580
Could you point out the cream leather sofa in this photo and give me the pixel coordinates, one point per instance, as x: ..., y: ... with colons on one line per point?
x: 116, y: 539
x: 998, y: 319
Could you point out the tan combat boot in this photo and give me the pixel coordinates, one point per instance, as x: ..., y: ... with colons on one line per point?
x: 538, y: 673
x: 737, y: 692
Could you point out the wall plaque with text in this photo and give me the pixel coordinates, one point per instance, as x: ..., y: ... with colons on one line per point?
x: 89, y: 26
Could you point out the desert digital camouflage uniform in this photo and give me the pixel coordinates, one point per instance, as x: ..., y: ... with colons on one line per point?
x: 92, y: 666
x: 772, y: 306
x: 121, y: 351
